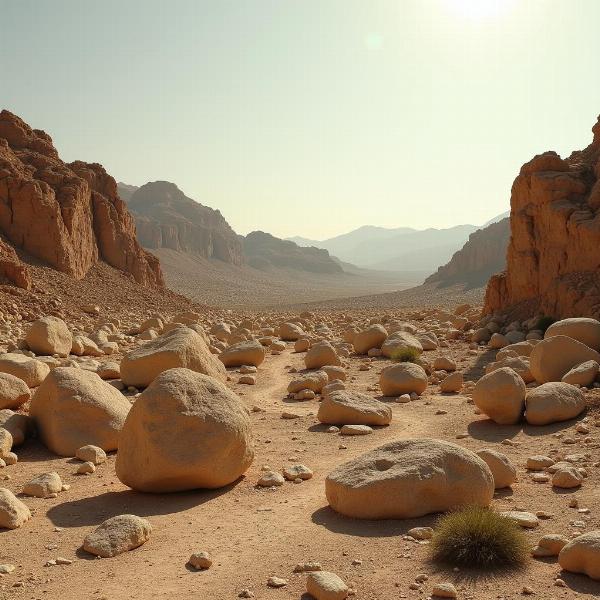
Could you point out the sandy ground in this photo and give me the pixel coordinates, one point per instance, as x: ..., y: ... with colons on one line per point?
x: 255, y: 533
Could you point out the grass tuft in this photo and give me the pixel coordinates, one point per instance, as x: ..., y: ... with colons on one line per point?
x: 478, y: 537
x: 405, y: 355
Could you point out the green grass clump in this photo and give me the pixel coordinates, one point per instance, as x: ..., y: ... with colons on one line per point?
x: 478, y: 537
x: 405, y: 355
x: 544, y: 322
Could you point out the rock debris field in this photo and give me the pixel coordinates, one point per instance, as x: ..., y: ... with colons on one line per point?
x: 276, y: 455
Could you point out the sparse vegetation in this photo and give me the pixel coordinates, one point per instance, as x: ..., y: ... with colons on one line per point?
x: 544, y: 322
x: 406, y: 355
x: 478, y: 537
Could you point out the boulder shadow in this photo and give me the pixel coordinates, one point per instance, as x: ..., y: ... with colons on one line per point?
x: 95, y: 509
x: 489, y: 431
x: 337, y: 523
x: 580, y: 583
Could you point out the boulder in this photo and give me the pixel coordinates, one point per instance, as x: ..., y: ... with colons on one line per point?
x: 46, y: 485
x: 409, y: 478
x: 290, y: 332
x: 403, y: 378
x: 501, y: 396
x: 582, y: 555
x: 17, y: 424
x: 13, y: 391
x: 249, y: 352
x: 353, y: 408
x: 582, y: 329
x: 117, y: 535
x: 74, y: 407
x: 321, y: 354
x: 6, y: 442
x: 443, y: 363
x: 583, y: 374
x: 553, y: 402
x: 323, y: 585
x: 398, y: 341
x: 49, y: 335
x: 180, y: 347
x: 519, y: 364
x: 314, y: 381
x: 30, y: 370
x: 185, y: 431
x: 92, y: 454
x: 13, y: 513
x: 555, y: 356
x: 453, y: 383
x: 369, y: 338
x: 503, y: 471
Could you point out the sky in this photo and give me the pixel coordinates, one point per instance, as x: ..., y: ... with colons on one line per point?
x: 310, y: 117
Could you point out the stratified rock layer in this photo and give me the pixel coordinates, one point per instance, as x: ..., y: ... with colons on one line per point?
x: 69, y: 215
x: 553, y: 265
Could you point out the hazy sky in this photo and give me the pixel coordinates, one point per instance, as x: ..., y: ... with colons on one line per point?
x: 310, y: 117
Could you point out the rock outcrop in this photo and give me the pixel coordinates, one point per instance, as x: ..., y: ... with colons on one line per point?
x: 68, y: 215
x: 167, y: 218
x: 483, y: 255
x: 553, y: 266
x: 11, y: 267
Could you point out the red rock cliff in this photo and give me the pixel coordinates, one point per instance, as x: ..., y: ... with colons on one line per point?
x: 69, y: 215
x: 553, y: 259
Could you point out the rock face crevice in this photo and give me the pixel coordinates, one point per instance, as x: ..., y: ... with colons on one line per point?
x: 553, y: 262
x: 167, y: 218
x: 68, y: 215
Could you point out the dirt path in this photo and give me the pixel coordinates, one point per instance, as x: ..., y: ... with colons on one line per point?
x: 255, y: 533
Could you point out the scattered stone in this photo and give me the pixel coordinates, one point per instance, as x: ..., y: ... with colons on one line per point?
x: 200, y: 560
x: 117, y: 535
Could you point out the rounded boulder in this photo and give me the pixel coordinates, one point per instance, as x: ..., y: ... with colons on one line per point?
x: 49, y: 335
x: 251, y: 353
x: 403, y: 378
x: 501, y: 396
x: 553, y: 402
x: 342, y: 407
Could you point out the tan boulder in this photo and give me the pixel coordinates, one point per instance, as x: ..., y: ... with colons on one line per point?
x: 353, y: 408
x: 583, y: 374
x: 211, y: 448
x: 321, y: 354
x: 553, y: 402
x: 503, y: 471
x: 74, y: 407
x: 452, y: 383
x: 13, y: 391
x: 49, y: 335
x: 30, y: 370
x: 335, y: 373
x: 584, y: 330
x: 117, y: 535
x: 13, y: 513
x: 398, y: 341
x: 409, y: 478
x: 323, y: 585
x: 6, y: 442
x: 290, y: 332
x: 314, y: 381
x: 501, y: 396
x: 582, y: 555
x: 555, y: 356
x: 519, y: 364
x: 180, y: 347
x: 403, y: 378
x: 249, y: 352
x: 17, y: 424
x: 46, y: 485
x: 365, y: 340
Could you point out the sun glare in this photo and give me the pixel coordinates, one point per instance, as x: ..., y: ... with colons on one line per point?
x: 479, y: 9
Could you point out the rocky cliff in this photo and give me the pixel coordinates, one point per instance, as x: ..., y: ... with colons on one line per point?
x: 68, y: 215
x: 483, y: 255
x: 167, y: 218
x: 264, y: 251
x: 553, y: 263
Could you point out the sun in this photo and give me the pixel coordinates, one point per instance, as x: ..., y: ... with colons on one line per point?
x: 479, y: 9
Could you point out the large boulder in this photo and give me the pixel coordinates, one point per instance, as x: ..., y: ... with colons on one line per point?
x: 117, y: 535
x: 74, y: 407
x: 403, y: 378
x: 180, y: 347
x: 320, y: 355
x: 185, y: 431
x: 369, y: 338
x: 13, y: 391
x: 409, y: 478
x: 399, y: 341
x: 250, y: 353
x: 13, y: 513
x: 343, y: 407
x: 555, y: 356
x: 582, y: 555
x: 553, y: 402
x: 501, y: 396
x: 582, y: 329
x: 30, y: 370
x: 49, y: 335
x: 290, y: 332
x: 583, y: 374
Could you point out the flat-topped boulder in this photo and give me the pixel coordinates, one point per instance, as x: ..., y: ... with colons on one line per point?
x: 343, y: 407
x: 249, y: 352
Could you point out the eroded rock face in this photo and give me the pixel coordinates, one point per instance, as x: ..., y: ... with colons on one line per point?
x: 69, y: 215
x: 167, y: 218
x: 552, y: 262
x: 12, y: 268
